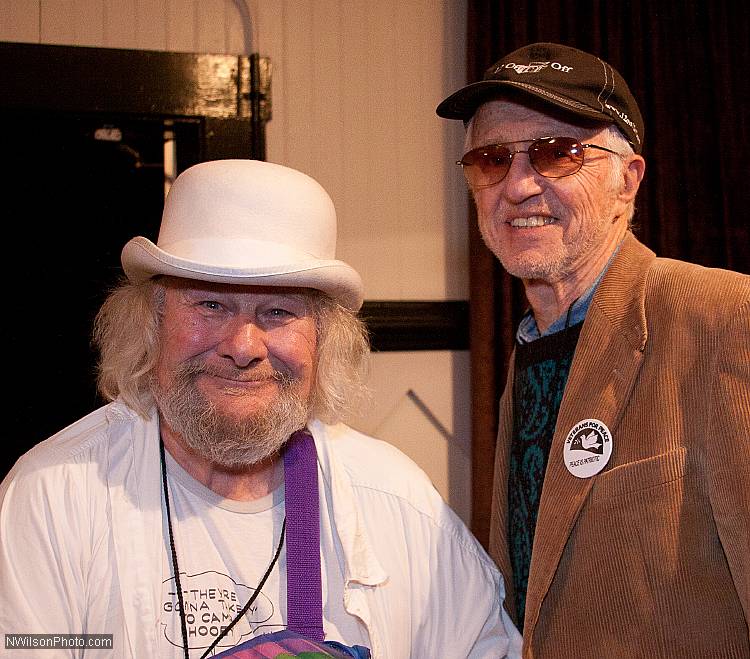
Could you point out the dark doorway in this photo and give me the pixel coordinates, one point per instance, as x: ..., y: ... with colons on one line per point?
x: 79, y: 187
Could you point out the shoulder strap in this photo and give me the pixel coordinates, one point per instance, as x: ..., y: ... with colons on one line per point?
x: 304, y: 593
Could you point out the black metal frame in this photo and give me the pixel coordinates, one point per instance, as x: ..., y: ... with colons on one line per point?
x: 214, y: 89
x: 417, y: 325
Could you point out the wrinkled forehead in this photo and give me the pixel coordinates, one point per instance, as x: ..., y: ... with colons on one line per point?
x: 198, y: 285
x: 506, y: 120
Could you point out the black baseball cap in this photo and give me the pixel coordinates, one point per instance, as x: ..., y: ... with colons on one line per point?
x: 563, y: 76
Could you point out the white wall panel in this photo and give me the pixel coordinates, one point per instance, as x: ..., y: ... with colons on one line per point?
x: 150, y: 24
x: 120, y: 24
x: 182, y: 26
x: 57, y: 22
x: 361, y: 149
x: 19, y: 21
x: 268, y: 20
x: 88, y: 16
x: 234, y: 22
x: 212, y: 25
x: 298, y: 67
x: 417, y: 231
x: 421, y: 405
x: 378, y: 249
x: 355, y: 90
x: 326, y: 136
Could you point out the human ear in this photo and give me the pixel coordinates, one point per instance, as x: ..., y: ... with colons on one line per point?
x: 633, y: 172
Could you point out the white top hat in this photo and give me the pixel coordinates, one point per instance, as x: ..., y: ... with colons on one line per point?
x: 247, y: 222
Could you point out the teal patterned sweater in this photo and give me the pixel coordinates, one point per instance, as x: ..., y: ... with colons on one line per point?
x: 541, y: 371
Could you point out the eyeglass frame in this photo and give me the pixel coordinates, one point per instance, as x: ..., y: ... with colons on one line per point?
x: 526, y: 151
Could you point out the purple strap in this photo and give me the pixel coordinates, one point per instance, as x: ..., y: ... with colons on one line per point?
x: 304, y: 592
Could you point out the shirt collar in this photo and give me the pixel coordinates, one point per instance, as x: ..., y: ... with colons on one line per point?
x: 528, y: 330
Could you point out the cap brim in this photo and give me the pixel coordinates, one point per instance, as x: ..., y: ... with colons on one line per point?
x: 464, y: 103
x: 141, y: 260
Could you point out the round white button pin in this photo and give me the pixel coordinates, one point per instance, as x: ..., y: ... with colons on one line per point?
x: 588, y: 448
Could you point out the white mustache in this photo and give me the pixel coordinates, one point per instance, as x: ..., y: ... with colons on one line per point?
x: 258, y: 374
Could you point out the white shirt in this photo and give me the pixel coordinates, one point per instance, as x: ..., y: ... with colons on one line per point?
x: 81, y: 539
x: 224, y: 548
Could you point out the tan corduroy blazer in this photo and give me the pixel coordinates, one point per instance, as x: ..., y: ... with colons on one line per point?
x: 651, y: 557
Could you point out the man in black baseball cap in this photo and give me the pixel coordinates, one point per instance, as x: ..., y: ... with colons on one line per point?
x: 561, y: 76
x: 620, y: 518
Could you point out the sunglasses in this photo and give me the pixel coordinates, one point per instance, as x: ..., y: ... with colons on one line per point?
x: 553, y: 157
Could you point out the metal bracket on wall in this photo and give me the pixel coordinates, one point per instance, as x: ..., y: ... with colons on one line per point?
x: 255, y: 98
x: 408, y: 325
x: 255, y: 87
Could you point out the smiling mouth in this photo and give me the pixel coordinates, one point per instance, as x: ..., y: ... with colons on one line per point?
x: 234, y: 387
x: 243, y: 382
x: 533, y: 221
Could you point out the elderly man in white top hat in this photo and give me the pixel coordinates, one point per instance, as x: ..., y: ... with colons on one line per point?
x: 217, y: 506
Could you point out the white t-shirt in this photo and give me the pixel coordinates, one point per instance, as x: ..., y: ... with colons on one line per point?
x: 224, y: 548
x: 82, y: 542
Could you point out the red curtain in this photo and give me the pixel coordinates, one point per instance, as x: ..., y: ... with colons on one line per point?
x: 688, y: 65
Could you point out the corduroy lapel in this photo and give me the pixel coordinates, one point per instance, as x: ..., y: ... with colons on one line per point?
x: 499, y: 522
x: 604, y: 369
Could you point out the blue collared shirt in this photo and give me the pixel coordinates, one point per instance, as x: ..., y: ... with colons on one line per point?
x: 528, y: 330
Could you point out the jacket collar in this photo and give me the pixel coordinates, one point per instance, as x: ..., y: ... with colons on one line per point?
x: 607, y: 360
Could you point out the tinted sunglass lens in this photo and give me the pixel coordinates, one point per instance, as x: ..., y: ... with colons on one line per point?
x: 487, y: 165
x: 556, y: 156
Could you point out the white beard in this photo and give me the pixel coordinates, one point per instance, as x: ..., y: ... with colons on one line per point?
x: 223, y: 440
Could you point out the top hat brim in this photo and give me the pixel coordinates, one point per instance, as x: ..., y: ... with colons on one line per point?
x: 142, y: 260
